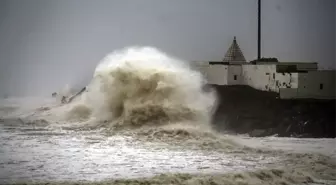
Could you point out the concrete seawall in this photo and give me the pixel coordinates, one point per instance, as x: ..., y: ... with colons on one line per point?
x: 243, y: 109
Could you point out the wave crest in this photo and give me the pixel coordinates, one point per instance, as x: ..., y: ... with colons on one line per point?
x: 144, y: 86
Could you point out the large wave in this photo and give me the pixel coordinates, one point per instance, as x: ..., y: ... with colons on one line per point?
x: 142, y: 86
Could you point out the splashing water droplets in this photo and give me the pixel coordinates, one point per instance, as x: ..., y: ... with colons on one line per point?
x: 140, y: 86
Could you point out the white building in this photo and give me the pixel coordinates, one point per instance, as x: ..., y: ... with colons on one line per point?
x: 290, y: 79
x: 312, y: 84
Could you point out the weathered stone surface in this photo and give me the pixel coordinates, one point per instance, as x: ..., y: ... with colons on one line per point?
x: 243, y: 109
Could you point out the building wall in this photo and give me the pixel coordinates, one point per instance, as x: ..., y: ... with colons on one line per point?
x: 201, y: 67
x: 264, y: 77
x: 311, y: 84
x: 314, y: 84
x: 296, y: 66
x: 215, y: 74
x: 234, y: 76
x: 317, y: 84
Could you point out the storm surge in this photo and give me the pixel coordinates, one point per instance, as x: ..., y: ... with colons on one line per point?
x: 143, y: 114
x: 144, y: 87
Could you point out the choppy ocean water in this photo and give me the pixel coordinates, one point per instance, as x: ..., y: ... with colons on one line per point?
x: 40, y: 152
x: 145, y: 119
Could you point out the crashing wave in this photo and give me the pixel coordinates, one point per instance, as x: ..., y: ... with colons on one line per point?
x: 143, y: 86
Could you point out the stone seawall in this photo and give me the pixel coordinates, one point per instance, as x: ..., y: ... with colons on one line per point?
x: 243, y: 109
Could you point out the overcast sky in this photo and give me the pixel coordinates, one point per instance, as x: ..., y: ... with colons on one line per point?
x: 47, y: 44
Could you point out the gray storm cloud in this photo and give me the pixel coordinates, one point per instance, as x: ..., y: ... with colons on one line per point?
x: 45, y: 45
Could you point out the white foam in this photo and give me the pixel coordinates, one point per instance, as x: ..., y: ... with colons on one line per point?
x: 139, y: 83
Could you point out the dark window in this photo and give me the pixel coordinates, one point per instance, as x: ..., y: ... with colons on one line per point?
x: 267, y: 73
x: 273, y: 75
x: 321, y: 86
x: 235, y: 77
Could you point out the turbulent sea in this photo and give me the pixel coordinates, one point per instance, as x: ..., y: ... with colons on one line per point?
x: 145, y: 118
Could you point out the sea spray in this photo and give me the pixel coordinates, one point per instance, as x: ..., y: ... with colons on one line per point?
x: 143, y: 86
x: 143, y: 93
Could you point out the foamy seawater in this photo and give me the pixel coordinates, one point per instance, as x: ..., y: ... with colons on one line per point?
x: 37, y: 153
x: 145, y: 119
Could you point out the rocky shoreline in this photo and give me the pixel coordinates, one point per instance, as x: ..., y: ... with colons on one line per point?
x: 245, y: 110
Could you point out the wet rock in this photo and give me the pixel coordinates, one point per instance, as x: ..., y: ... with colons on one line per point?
x: 260, y: 113
x: 257, y: 133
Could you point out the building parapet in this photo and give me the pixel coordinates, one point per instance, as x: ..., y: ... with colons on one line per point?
x: 296, y: 67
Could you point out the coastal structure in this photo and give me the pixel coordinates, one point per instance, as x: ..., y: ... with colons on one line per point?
x: 292, y: 80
